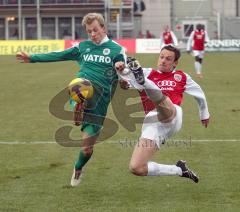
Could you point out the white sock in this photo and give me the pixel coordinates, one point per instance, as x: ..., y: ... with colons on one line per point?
x: 198, y: 67
x: 156, y: 169
x: 153, y: 91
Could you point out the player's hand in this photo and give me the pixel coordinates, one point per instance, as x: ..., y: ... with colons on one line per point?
x: 23, y: 57
x: 119, y: 66
x: 78, y: 114
x: 124, y: 84
x: 205, y: 122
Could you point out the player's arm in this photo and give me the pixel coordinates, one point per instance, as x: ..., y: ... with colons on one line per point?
x: 121, y: 68
x: 161, y: 41
x: 195, y: 90
x: 189, y: 43
x: 68, y: 54
x: 175, y: 40
x: 121, y: 57
x: 23, y: 57
x: 206, y: 38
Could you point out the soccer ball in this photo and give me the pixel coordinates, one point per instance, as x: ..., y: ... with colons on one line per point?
x: 80, y: 89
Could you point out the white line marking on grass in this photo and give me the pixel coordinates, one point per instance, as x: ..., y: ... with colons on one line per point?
x: 111, y: 141
x: 27, y: 142
x: 215, y: 140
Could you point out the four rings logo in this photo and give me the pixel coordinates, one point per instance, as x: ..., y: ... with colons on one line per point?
x: 165, y: 83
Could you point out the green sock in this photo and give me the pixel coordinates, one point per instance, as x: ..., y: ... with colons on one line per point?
x: 82, y: 160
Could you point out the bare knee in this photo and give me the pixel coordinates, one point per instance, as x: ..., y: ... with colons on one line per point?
x: 87, y: 150
x: 138, y: 169
x: 166, y: 110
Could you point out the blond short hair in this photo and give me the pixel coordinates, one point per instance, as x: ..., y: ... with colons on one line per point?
x: 90, y: 17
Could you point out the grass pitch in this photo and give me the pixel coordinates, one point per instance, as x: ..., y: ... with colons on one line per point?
x: 35, y: 171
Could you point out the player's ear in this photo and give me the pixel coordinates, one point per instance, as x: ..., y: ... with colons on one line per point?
x: 176, y: 63
x: 104, y: 29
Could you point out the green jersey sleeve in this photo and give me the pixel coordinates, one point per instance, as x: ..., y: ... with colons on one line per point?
x: 119, y: 57
x: 68, y: 54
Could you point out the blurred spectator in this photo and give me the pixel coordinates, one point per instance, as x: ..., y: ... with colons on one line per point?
x: 149, y: 34
x: 15, y: 34
x: 140, y: 34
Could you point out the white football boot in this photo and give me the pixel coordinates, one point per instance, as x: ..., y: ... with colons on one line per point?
x: 76, y: 177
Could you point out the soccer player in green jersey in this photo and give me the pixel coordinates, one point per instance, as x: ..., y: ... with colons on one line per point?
x: 97, y: 58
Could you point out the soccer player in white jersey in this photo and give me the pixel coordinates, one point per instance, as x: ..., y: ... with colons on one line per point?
x: 161, y: 93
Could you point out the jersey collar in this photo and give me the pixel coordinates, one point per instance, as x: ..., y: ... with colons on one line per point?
x: 104, y: 40
x: 174, y: 70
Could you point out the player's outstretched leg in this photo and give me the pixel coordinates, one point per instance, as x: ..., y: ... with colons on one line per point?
x: 187, y: 172
x: 84, y: 155
x: 152, y: 90
x: 136, y: 69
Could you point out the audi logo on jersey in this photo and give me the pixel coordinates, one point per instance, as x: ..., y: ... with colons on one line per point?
x: 165, y: 83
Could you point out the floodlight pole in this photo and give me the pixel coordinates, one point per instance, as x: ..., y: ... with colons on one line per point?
x: 118, y: 26
x: 38, y: 21
x: 219, y: 25
x: 119, y: 22
x: 19, y: 20
x: 106, y: 12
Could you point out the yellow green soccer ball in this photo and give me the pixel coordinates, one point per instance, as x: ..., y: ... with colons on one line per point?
x: 80, y: 89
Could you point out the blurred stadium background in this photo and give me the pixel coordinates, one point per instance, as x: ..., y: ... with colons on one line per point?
x: 61, y: 19
x: 35, y: 170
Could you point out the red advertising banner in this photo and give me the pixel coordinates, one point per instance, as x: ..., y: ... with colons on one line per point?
x: 129, y: 44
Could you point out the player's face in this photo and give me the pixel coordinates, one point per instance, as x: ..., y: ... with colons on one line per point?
x: 95, y: 32
x: 166, y: 28
x: 166, y: 61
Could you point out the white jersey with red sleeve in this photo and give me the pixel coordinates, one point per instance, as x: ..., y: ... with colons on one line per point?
x: 172, y: 84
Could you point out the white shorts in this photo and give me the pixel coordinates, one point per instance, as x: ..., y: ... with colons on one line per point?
x: 157, y: 131
x: 198, y: 53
